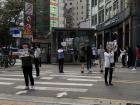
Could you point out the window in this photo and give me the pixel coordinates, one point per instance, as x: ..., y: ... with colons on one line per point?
x: 70, y: 3
x: 94, y: 3
x: 80, y: 0
x: 115, y: 5
x: 100, y: 1
x: 77, y: 8
x: 94, y: 19
x: 82, y: 18
x: 101, y: 16
x: 82, y: 7
x: 82, y: 12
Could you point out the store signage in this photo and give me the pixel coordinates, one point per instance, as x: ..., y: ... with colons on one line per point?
x: 114, y: 20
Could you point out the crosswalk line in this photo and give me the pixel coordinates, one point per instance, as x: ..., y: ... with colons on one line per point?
x: 55, y: 75
x: 11, y: 79
x: 55, y: 89
x: 47, y: 78
x: 48, y: 83
x: 6, y: 83
x: 19, y: 75
x: 85, y: 80
x: 63, y: 83
x: 21, y: 79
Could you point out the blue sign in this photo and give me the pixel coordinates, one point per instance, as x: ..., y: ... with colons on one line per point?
x: 15, y: 32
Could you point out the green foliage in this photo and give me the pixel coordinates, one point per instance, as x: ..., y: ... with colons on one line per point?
x: 9, y: 15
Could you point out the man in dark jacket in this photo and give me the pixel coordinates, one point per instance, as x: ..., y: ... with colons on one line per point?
x: 26, y: 57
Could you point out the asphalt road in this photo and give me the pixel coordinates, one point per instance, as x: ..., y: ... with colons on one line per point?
x: 72, y: 84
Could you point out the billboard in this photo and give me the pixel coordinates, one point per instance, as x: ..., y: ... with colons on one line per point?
x: 28, y: 14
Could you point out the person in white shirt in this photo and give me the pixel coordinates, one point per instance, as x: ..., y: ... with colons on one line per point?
x: 101, y: 57
x: 109, y: 65
x: 123, y: 56
x: 37, y: 54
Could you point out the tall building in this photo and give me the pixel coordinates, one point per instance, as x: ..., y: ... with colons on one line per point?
x: 48, y: 14
x: 78, y: 10
x: 116, y: 20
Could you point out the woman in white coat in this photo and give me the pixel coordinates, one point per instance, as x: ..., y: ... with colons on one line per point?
x: 109, y: 65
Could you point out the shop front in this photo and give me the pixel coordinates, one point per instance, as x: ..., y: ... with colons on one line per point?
x: 117, y: 29
x: 71, y: 40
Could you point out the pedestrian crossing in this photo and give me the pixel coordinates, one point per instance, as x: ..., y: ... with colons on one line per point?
x: 49, y: 81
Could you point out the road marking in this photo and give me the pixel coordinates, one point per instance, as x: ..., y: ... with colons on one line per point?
x: 11, y: 79
x: 121, y: 102
x: 62, y: 83
x: 99, y: 77
x: 21, y: 92
x: 47, y: 78
x: 6, y: 83
x: 88, y: 80
x: 55, y: 89
x: 59, y: 95
x: 127, y: 81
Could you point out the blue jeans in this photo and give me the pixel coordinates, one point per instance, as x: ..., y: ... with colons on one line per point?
x: 137, y: 62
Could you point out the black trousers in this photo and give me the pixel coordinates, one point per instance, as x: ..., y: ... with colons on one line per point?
x: 89, y: 63
x: 123, y: 60
x: 110, y: 71
x: 37, y: 63
x: 27, y: 71
x: 61, y: 63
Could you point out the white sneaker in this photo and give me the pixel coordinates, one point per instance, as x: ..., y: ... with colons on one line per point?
x: 32, y: 88
x: 134, y: 69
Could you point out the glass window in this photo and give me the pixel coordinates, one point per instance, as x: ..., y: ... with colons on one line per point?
x: 94, y: 19
x: 101, y: 16
x: 94, y: 3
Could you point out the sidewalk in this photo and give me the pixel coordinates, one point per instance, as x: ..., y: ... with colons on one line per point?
x: 31, y: 100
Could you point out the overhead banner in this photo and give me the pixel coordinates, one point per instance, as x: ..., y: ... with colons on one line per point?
x: 28, y: 20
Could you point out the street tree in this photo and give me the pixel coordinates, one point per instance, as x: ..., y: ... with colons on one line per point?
x: 9, y: 15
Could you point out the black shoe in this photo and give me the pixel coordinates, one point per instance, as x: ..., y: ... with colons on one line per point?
x: 110, y: 84
x: 106, y: 84
x: 82, y: 72
x: 101, y: 71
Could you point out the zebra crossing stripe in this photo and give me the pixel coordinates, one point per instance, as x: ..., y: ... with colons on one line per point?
x: 97, y: 77
x: 47, y: 78
x: 12, y: 79
x: 6, y: 83
x: 62, y: 83
x: 55, y: 89
x: 88, y: 80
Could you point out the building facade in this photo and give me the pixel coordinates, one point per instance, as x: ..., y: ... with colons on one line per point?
x: 78, y: 10
x: 48, y: 14
x: 116, y: 21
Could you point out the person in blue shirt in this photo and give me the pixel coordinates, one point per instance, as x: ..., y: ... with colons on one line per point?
x: 60, y: 52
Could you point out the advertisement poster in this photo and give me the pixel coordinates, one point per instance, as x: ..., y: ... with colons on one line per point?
x: 28, y: 32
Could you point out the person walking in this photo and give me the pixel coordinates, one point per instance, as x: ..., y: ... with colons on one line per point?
x: 109, y: 65
x: 101, y: 57
x: 123, y: 56
x: 60, y: 59
x: 137, y: 61
x: 94, y: 54
x: 37, y: 54
x: 82, y: 58
x: 26, y: 57
x: 89, y: 58
x: 129, y: 57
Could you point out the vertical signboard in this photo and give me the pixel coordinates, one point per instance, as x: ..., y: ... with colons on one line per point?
x: 28, y: 18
